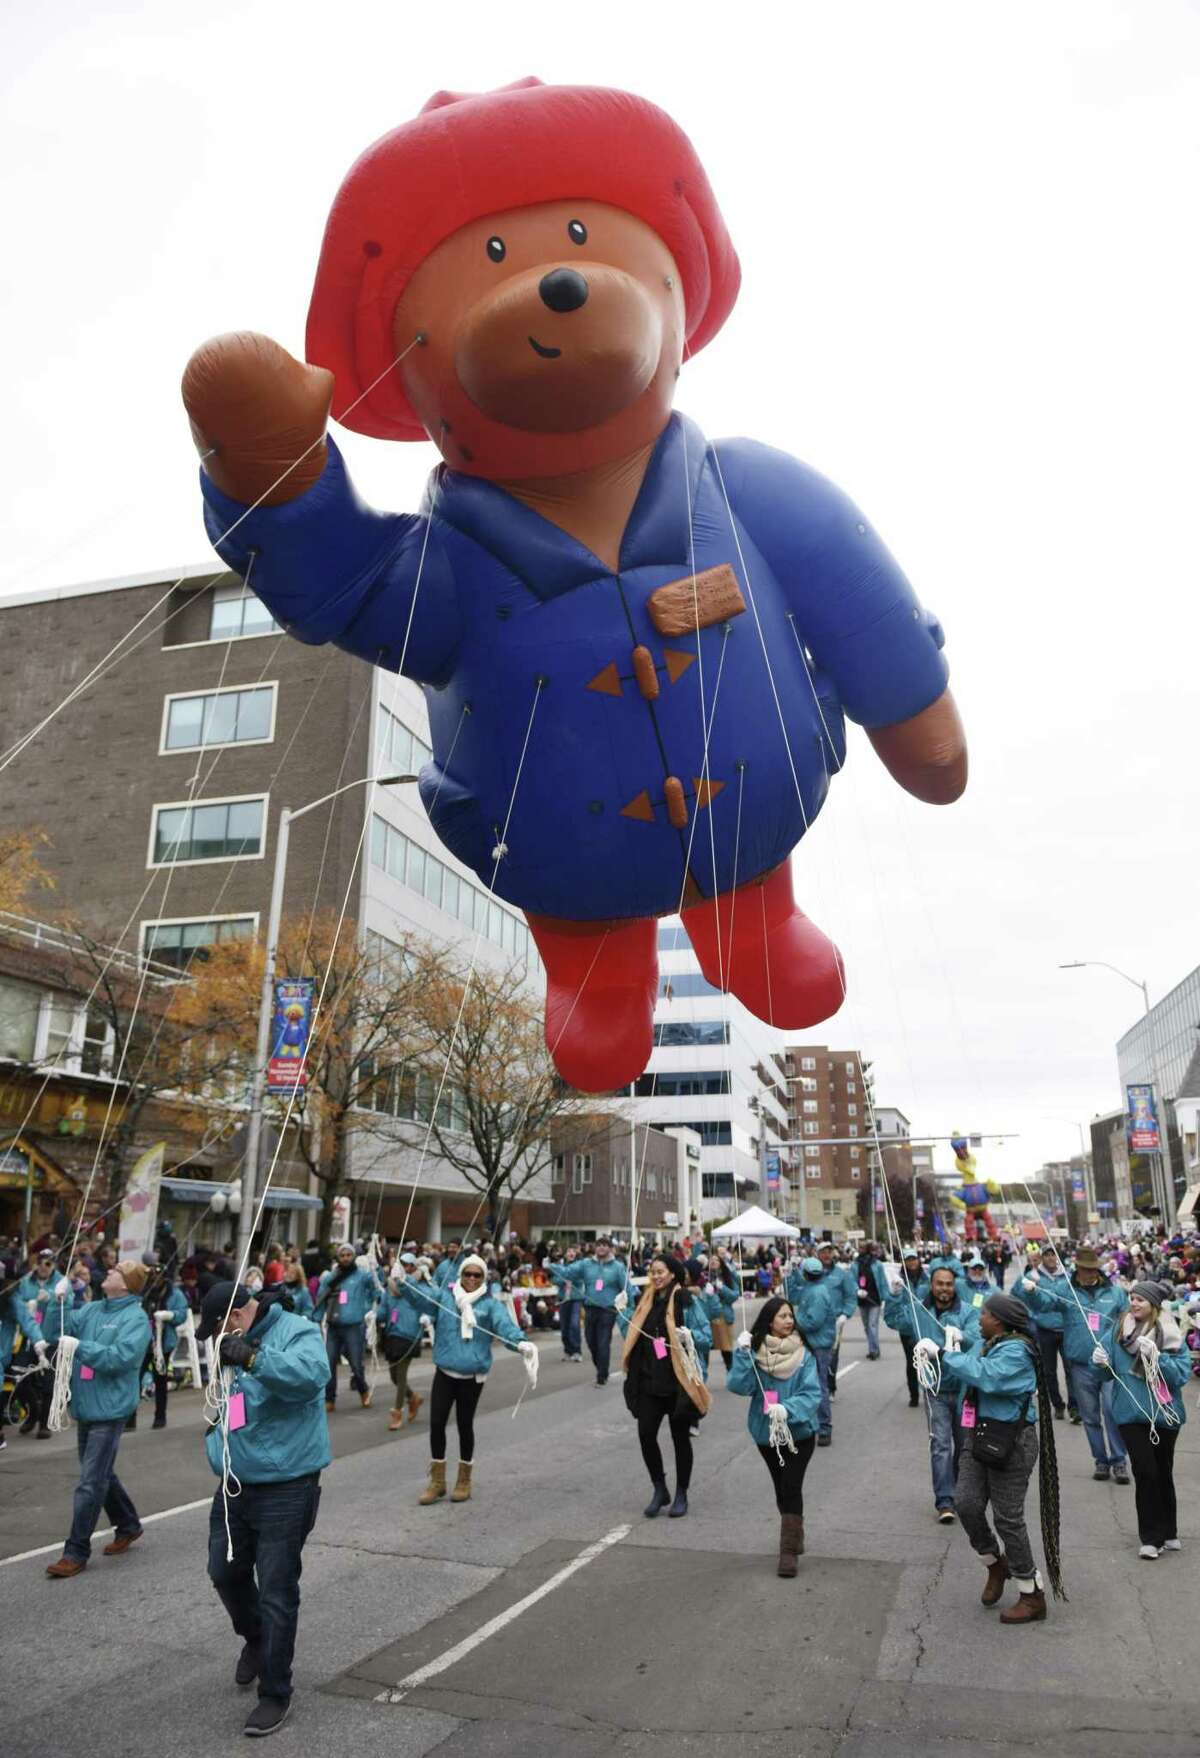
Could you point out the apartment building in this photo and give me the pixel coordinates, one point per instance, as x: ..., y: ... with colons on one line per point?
x: 602, y: 1177
x: 188, y: 721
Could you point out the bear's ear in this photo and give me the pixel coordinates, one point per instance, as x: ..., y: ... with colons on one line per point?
x: 439, y: 100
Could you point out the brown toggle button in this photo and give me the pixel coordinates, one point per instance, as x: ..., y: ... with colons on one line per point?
x: 676, y: 803
x: 644, y: 672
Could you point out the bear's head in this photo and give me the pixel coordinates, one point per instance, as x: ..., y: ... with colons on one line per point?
x: 518, y: 275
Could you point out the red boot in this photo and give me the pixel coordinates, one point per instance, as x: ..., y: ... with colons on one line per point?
x: 756, y: 944
x: 601, y: 982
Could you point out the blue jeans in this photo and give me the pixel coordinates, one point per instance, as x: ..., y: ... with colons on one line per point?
x: 945, y: 1441
x: 98, y: 1487
x: 823, y: 1358
x: 269, y: 1523
x: 347, y: 1340
x: 870, y: 1318
x: 568, y: 1318
x: 1093, y: 1400
x: 598, y: 1322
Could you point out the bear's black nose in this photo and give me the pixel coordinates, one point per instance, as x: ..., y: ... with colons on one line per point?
x: 563, y: 289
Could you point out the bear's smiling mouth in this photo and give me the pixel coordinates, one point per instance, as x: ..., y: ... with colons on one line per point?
x: 546, y: 353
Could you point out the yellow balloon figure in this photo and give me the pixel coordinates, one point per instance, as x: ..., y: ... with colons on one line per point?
x: 973, y: 1197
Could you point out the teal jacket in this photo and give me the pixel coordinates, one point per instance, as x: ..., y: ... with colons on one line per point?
x: 800, y: 1395
x: 602, y: 1282
x: 1132, y: 1398
x: 397, y: 1316
x: 844, y: 1287
x: 445, y: 1271
x: 897, y: 1308
x: 728, y: 1295
x: 1002, y: 1374
x: 302, y: 1301
x: 973, y: 1294
x: 1104, y: 1303
x: 817, y: 1306
x: 285, y: 1434
x: 114, y: 1336
x: 174, y: 1303
x: 451, y: 1351
x: 47, y: 1324
x: 10, y: 1324
x: 1046, y: 1316
x: 361, y: 1291
x: 568, y: 1277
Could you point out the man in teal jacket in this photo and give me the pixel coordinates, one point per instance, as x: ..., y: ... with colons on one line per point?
x: 113, y: 1334
x: 346, y: 1294
x: 35, y: 1301
x: 1088, y: 1303
x: 604, y: 1280
x: 844, y: 1290
x: 818, y: 1303
x: 936, y: 1310
x: 274, y: 1426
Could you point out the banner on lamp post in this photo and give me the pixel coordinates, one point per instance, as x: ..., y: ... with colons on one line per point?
x: 290, y: 1024
x: 772, y: 1160
x: 139, y: 1207
x: 879, y: 1200
x: 1142, y: 1128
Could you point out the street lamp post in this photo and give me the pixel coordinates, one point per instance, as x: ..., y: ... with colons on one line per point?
x: 1165, y: 1193
x: 258, y: 1081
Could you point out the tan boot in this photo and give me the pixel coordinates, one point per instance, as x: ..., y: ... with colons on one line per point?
x: 791, y: 1544
x: 415, y: 1402
x: 366, y: 1398
x: 1029, y: 1609
x: 997, y: 1575
x: 462, y: 1488
x: 435, y: 1489
x: 395, y: 1420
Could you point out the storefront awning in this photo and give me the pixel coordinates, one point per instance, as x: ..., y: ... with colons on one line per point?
x: 202, y: 1191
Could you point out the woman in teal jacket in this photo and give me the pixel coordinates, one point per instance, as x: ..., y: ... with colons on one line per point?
x: 818, y: 1305
x: 112, y: 1334
x: 773, y: 1368
x: 912, y: 1287
x: 162, y: 1297
x: 1001, y: 1376
x: 399, y: 1325
x: 1146, y: 1351
x: 1087, y: 1302
x: 295, y: 1286
x: 466, y: 1321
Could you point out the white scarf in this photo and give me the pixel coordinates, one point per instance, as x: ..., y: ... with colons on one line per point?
x: 780, y: 1356
x: 465, y: 1301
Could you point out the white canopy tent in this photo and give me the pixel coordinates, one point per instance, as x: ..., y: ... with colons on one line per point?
x: 755, y: 1223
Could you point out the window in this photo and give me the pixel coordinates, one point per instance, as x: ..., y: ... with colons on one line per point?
x: 855, y: 1171
x: 808, y: 1064
x: 236, y: 612
x: 409, y: 864
x: 850, y: 1087
x: 690, y: 1085
x: 677, y: 984
x: 178, y: 943
x: 713, y: 1135
x: 219, y: 717
x: 830, y: 1205
x: 810, y: 1105
x: 812, y: 1129
x: 852, y: 1110
x: 218, y: 830
x: 808, y: 1085
x: 852, y: 1129
x: 651, y: 1181
x: 850, y: 1068
x: 810, y: 1152
x: 20, y: 1004
x: 400, y: 750
x: 855, y: 1152
x: 812, y: 1171
x: 675, y: 1033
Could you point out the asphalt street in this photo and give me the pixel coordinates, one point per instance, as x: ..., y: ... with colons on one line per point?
x: 416, y: 1636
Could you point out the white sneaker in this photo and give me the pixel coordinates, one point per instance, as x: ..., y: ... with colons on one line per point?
x: 1151, y: 1552
x: 1172, y: 1544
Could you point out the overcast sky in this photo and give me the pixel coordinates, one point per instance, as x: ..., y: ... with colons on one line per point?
x: 969, y: 243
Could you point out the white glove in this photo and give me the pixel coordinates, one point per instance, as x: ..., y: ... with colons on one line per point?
x: 621, y: 1301
x: 895, y: 1286
x: 927, y: 1346
x: 62, y: 1288
x: 744, y: 1340
x: 528, y: 1350
x: 1026, y: 1282
x: 427, y: 1326
x: 424, y: 1269
x: 33, y: 1308
x: 862, y: 1294
x: 1100, y: 1355
x: 839, y: 1325
x: 167, y: 1316
x: 1148, y: 1347
x: 362, y: 1263
x: 953, y: 1341
x: 39, y: 1349
x: 397, y: 1280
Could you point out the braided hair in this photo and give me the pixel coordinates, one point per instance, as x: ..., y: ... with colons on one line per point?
x: 1018, y: 1324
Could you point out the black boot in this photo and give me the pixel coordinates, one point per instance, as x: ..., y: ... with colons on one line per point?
x: 678, y: 1507
x: 658, y: 1500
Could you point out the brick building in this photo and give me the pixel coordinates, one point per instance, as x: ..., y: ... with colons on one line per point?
x: 593, y: 1177
x: 828, y: 1098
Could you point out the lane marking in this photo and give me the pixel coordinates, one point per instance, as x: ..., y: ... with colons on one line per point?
x: 849, y: 1368
x: 147, y: 1520
x: 399, y: 1692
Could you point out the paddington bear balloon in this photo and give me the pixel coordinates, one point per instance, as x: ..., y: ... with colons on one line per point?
x: 637, y: 646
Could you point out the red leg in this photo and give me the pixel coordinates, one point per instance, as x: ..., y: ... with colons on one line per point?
x: 601, y: 982
x: 756, y: 944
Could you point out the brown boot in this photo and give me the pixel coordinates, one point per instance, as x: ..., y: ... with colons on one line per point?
x: 462, y: 1488
x: 64, y: 1568
x: 791, y: 1544
x: 1029, y: 1609
x: 997, y: 1575
x: 435, y: 1489
x: 415, y: 1402
x: 366, y: 1399
x: 395, y: 1419
x: 122, y: 1542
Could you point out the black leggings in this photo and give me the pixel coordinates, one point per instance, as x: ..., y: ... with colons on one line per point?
x: 461, y: 1396
x: 1154, y: 1481
x: 788, y: 1478
x: 650, y: 1415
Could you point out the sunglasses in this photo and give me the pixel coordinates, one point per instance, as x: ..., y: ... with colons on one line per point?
x: 472, y: 1276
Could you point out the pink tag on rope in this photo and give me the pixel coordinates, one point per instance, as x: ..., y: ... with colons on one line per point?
x: 968, y: 1416
x: 1093, y: 1321
x: 660, y: 1348
x: 343, y: 1297
x: 395, y: 1315
x: 600, y: 1285
x: 1162, y: 1392
x: 237, y: 1411
x: 770, y: 1398
x: 86, y: 1373
x: 862, y: 1281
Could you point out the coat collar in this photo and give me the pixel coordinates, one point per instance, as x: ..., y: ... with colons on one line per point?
x: 548, y: 560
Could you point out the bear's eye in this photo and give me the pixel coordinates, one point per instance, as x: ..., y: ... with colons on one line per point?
x: 577, y: 232
x: 496, y: 250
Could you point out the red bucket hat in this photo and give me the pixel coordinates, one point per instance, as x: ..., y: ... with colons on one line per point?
x: 469, y: 154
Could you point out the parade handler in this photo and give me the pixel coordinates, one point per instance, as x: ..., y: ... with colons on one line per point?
x: 278, y: 1440
x: 113, y: 1334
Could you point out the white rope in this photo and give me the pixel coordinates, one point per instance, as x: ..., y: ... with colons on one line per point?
x: 781, y: 1436
x: 187, y: 1334
x: 160, y: 1360
x: 64, y: 1361
x: 691, y: 1360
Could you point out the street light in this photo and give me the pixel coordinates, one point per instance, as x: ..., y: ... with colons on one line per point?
x: 1166, y: 1179
x: 266, y: 1006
